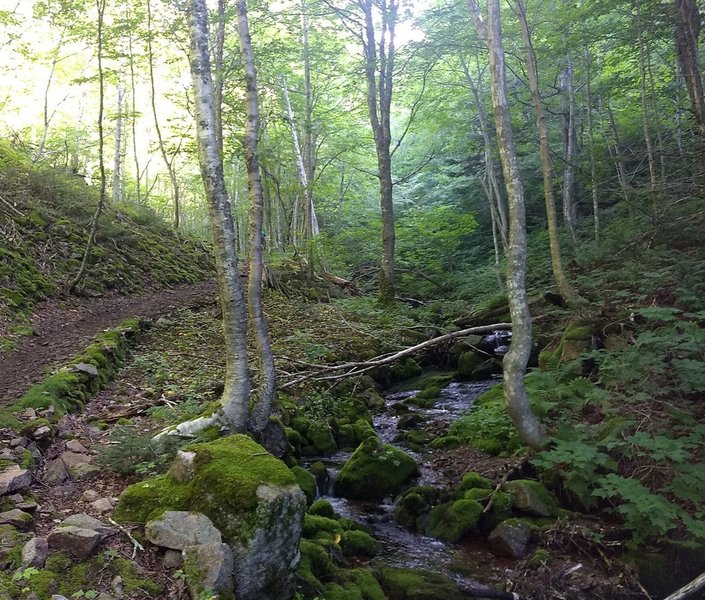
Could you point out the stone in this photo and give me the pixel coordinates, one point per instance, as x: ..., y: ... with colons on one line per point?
x: 8, y: 455
x: 274, y: 438
x: 35, y: 552
x: 76, y: 446
x: 467, y: 363
x: 56, y: 472
x: 74, y: 459
x: 86, y: 368
x: 28, y: 506
x: 510, y: 539
x: 214, y: 565
x: 90, y: 496
x: 321, y: 436
x: 29, y: 413
x: 375, y: 470
x: 182, y: 469
x: 43, y: 433
x: 531, y: 497
x: 16, y: 518
x: 77, y: 541
x: 85, y: 521
x: 84, y: 471
x: 14, y: 478
x: 118, y: 586
x: 102, y: 505
x: 486, y: 369
x: 16, y: 498
x: 173, y: 559
x: 19, y: 442
x: 180, y: 529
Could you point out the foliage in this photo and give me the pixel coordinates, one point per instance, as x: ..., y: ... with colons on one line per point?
x: 133, y: 453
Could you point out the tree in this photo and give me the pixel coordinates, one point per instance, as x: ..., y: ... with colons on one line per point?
x: 515, y: 361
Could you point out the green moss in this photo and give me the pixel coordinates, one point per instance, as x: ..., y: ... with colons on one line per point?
x: 452, y: 521
x: 314, y: 525
x: 322, y: 508
x: 148, y: 499
x: 467, y: 363
x: 321, y: 437
x: 363, y: 430
x: 306, y: 481
x: 549, y: 360
x: 346, y: 437
x: 532, y: 497
x: 315, y: 565
x: 355, y: 543
x: 374, y: 470
x: 416, y: 584
x: 539, y: 558
x: 578, y: 332
x: 471, y: 479
x: 405, y: 369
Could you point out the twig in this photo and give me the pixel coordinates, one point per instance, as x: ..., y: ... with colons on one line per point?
x: 12, y: 208
x: 135, y: 544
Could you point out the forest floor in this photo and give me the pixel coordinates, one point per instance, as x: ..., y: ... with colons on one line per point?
x: 61, y: 327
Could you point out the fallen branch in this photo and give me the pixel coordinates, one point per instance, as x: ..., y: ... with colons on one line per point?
x: 135, y: 544
x: 11, y: 207
x: 357, y: 368
x: 687, y: 590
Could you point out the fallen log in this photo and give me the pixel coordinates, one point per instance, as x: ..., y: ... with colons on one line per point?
x: 359, y: 367
x: 688, y: 590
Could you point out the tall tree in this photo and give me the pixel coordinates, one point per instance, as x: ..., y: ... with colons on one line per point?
x: 236, y: 394
x: 263, y: 405
x: 515, y: 361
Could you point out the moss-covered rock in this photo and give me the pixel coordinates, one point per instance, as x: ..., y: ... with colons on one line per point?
x: 413, y: 504
x: 306, y: 481
x: 447, y: 442
x: 453, y: 520
x: 315, y: 565
x: 375, y: 470
x: 357, y: 543
x: 467, y: 363
x: 532, y: 498
x: 346, y: 437
x: 321, y: 437
x: 417, y: 584
x: 405, y: 369
x: 250, y: 496
x: 363, y: 430
x: 322, y: 508
x: 471, y: 480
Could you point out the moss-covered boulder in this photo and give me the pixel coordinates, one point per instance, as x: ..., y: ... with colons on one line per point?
x: 416, y: 584
x: 250, y: 496
x: 321, y: 437
x: 375, y: 470
x: 532, y: 498
x: 306, y: 481
x: 358, y: 543
x: 576, y: 339
x: 467, y: 363
x: 413, y: 504
x: 453, y: 520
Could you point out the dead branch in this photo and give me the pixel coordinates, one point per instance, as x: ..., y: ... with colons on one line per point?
x: 357, y: 368
x: 687, y: 590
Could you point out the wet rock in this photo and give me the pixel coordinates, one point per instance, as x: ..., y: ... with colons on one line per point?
x: 79, y: 542
x: 182, y: 469
x: 173, y: 559
x: 452, y: 521
x: 16, y: 518
x: 375, y: 470
x: 180, y: 529
x: 410, y: 421
x: 14, y: 478
x: 35, y: 552
x: 531, y: 497
x: 510, y: 539
x: 56, y: 472
x: 214, y: 565
x: 467, y: 363
x: 77, y: 447
x: 486, y: 369
x: 85, y: 521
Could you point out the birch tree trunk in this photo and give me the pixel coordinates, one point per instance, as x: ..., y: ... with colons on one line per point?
x: 117, y: 161
x: 516, y: 359
x: 263, y: 405
x: 591, y: 139
x: 236, y: 394
x: 47, y: 118
x: 133, y: 115
x: 559, y: 276
x: 570, y: 151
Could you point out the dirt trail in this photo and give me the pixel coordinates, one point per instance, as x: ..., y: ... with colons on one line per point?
x: 63, y: 327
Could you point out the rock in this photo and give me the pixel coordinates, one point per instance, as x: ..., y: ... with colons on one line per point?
x: 28, y: 506
x: 274, y: 438
x: 76, y: 446
x: 510, y: 539
x: 10, y: 539
x: 90, y: 496
x: 173, y: 559
x: 214, y: 565
x: 86, y: 368
x: 29, y: 413
x: 35, y: 552
x: 79, y: 542
x: 180, y: 529
x: 452, y: 521
x: 16, y: 498
x: 531, y: 497
x: 375, y: 470
x: 371, y: 399
x: 74, y: 459
x: 43, y: 433
x: 8, y: 455
x: 102, y: 505
x: 467, y: 363
x: 306, y: 481
x: 56, y: 472
x: 58, y: 597
x: 16, y: 518
x: 321, y: 437
x: 19, y: 442
x: 182, y: 469
x: 118, y: 586
x: 250, y: 496
x: 84, y: 521
x: 409, y: 421
x: 84, y: 471
x: 14, y: 478
x: 486, y: 369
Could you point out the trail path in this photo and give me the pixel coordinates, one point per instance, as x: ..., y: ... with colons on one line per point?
x: 63, y: 327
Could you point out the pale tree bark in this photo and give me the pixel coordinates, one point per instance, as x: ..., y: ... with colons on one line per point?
x: 219, y: 75
x: 100, y: 7
x: 133, y: 109
x: 559, y: 276
x: 47, y: 117
x: 263, y: 406
x: 687, y: 35
x: 515, y: 361
x: 236, y: 394
x: 591, y: 141
x: 117, y: 159
x: 570, y: 151
x: 168, y: 161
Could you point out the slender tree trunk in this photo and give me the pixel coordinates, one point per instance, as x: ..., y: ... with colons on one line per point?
x: 100, y: 6
x: 678, y: 83
x: 133, y: 116
x: 219, y: 79
x: 591, y: 136
x: 570, y: 151
x: 117, y: 162
x: 47, y: 118
x: 263, y: 406
x: 517, y: 358
x: 168, y: 162
x: 236, y: 394
x: 619, y: 160
x: 559, y: 276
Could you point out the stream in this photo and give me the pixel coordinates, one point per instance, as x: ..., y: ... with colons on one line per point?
x: 401, y: 547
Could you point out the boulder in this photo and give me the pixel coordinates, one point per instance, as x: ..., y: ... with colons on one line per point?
x: 452, y: 521
x: 79, y: 542
x: 14, y: 478
x: 274, y: 438
x: 321, y: 437
x: 510, y: 539
x: 35, y: 552
x: 56, y: 472
x: 102, y: 505
x: 251, y: 497
x: 182, y: 468
x: 209, y: 568
x: 531, y: 497
x: 467, y: 363
x: 375, y: 470
x: 179, y: 529
x: 76, y: 446
x: 486, y: 369
x: 87, y: 522
x: 16, y: 517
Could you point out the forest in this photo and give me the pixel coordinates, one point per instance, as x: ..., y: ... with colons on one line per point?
x: 352, y: 299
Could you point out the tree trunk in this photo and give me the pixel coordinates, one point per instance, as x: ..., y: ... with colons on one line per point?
x: 236, y: 394
x: 591, y: 136
x: 516, y: 359
x: 263, y: 406
x: 133, y: 115
x: 117, y: 162
x: 219, y: 79
x: 47, y: 118
x: 570, y: 151
x: 559, y: 276
x: 100, y: 6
